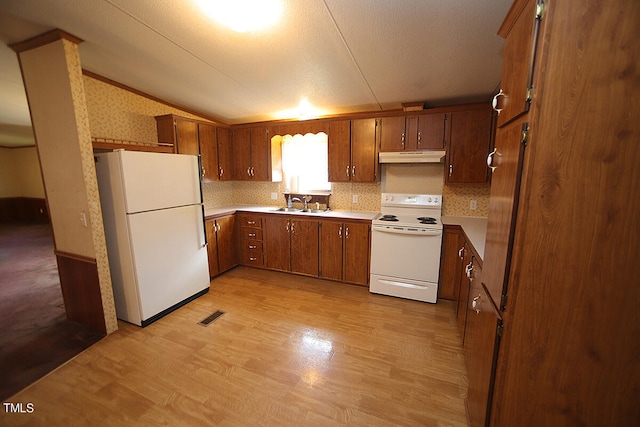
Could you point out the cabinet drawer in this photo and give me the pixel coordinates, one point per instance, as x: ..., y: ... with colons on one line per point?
x: 252, y: 245
x: 252, y: 258
x: 250, y: 233
x: 250, y: 220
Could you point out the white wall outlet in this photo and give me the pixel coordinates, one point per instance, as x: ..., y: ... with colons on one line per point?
x: 274, y: 196
x: 355, y: 198
x: 473, y: 205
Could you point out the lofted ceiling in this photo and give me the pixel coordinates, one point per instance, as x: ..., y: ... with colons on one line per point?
x: 341, y: 55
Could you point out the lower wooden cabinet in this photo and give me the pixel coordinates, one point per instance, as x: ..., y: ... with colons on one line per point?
x: 221, y: 244
x: 450, y: 263
x: 291, y: 244
x: 345, y: 251
x: 478, y: 319
x: 251, y: 238
x: 480, y: 349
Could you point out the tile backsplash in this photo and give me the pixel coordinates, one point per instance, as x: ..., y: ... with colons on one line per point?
x: 259, y: 193
x: 456, y: 199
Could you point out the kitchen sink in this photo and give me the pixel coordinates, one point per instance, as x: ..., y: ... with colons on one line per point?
x: 287, y: 210
x: 314, y: 211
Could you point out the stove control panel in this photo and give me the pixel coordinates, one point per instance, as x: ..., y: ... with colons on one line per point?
x: 408, y: 200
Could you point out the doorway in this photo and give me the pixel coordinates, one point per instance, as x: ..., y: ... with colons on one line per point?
x: 35, y: 335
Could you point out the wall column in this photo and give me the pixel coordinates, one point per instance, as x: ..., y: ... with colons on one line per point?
x: 53, y: 81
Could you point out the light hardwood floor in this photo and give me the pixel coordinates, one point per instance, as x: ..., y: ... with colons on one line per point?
x: 289, y: 350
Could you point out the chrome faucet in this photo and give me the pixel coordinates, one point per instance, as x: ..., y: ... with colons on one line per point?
x: 304, y: 201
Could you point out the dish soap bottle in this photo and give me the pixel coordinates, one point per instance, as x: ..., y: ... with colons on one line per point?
x: 289, y: 202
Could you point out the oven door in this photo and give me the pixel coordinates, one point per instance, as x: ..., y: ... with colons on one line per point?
x: 405, y: 253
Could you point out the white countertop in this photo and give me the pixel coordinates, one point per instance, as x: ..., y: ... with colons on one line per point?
x: 230, y: 209
x: 475, y: 228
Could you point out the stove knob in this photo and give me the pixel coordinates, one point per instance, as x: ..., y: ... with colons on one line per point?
x: 429, y: 199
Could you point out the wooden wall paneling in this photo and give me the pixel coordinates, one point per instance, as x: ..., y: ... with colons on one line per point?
x: 81, y: 290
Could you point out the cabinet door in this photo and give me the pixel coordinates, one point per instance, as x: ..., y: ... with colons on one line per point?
x: 516, y: 64
x: 450, y: 264
x: 277, y: 242
x: 465, y: 284
x: 505, y: 189
x: 364, y: 163
x: 469, y: 142
x: 392, y: 134
x: 480, y: 349
x: 227, y: 251
x: 225, y: 155
x: 260, y: 155
x: 304, y: 246
x: 331, y: 257
x: 241, y: 147
x: 187, y: 137
x: 357, y: 248
x: 209, y: 151
x: 339, y: 147
x: 430, y: 132
x: 212, y: 247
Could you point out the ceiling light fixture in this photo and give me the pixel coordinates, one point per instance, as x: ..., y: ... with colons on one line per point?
x: 304, y: 111
x: 243, y: 15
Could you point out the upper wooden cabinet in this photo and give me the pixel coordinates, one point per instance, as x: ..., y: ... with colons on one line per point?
x: 413, y: 132
x: 251, y: 154
x: 520, y: 32
x: 179, y: 131
x: 225, y: 155
x: 193, y: 137
x: 209, y: 151
x: 469, y: 145
x: 352, y: 151
x: 392, y: 134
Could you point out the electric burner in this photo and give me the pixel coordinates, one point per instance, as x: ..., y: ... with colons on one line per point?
x: 427, y: 220
x: 388, y: 218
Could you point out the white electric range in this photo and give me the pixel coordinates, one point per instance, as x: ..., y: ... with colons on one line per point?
x: 406, y: 240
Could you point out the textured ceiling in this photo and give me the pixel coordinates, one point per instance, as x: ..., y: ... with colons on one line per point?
x: 342, y: 55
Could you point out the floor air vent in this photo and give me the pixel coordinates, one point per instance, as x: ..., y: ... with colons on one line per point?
x: 211, y: 318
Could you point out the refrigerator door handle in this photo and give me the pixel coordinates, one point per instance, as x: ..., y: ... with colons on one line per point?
x: 204, y: 228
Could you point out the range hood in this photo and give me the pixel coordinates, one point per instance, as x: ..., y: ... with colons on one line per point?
x: 412, y: 157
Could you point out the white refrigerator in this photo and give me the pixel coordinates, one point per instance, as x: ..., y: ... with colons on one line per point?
x: 154, y: 227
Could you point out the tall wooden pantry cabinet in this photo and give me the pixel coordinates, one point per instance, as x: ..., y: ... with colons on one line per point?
x: 561, y: 258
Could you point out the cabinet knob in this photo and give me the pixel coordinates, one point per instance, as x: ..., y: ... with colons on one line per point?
x: 353, y: 171
x: 475, y: 304
x: 347, y: 170
x: 340, y: 232
x: 490, y: 159
x: 461, y: 253
x: 494, y: 103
